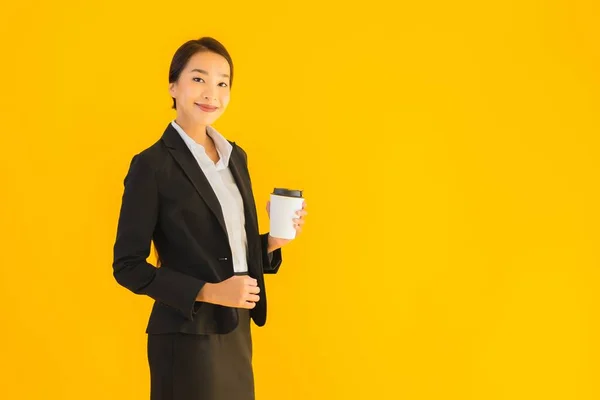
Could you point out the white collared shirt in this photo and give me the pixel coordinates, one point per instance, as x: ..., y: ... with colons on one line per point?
x: 222, y: 182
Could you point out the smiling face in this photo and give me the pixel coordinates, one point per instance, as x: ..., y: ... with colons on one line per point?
x: 203, y: 88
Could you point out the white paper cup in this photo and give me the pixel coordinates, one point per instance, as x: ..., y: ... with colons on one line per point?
x: 284, y: 204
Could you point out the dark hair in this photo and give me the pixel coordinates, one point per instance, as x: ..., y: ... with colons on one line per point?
x: 191, y: 47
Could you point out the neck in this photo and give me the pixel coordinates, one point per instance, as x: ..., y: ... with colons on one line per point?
x: 196, y: 131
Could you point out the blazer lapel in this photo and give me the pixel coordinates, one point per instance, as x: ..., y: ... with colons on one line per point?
x: 242, y: 178
x: 190, y: 167
x: 240, y: 175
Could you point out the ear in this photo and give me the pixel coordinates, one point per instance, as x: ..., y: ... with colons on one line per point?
x: 172, y: 89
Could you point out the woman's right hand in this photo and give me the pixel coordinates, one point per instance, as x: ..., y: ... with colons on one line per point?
x: 240, y: 291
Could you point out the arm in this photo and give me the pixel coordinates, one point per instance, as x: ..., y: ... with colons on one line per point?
x: 137, y: 220
x: 271, y: 257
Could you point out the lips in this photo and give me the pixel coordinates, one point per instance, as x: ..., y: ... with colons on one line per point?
x: 206, y: 107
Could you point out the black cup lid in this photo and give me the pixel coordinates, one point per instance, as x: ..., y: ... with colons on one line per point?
x: 287, y: 192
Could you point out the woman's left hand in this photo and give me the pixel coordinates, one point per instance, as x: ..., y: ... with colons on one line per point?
x: 276, y: 243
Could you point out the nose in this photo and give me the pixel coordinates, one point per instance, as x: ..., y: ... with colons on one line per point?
x: 209, y: 94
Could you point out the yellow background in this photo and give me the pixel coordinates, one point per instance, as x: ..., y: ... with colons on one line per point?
x: 448, y: 152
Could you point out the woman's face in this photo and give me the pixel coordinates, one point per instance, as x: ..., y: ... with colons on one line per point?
x: 202, y: 90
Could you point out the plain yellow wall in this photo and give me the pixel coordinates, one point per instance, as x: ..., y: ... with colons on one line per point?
x: 448, y: 151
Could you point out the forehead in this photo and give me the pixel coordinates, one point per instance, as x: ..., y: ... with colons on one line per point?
x: 208, y: 61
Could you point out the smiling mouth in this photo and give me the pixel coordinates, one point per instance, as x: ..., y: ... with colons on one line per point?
x: 206, y: 107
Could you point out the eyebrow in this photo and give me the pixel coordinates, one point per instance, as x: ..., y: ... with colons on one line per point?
x: 206, y: 73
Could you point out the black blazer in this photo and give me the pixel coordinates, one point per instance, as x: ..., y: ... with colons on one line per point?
x: 167, y: 199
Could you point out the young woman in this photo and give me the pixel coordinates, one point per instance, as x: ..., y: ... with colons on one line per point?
x: 190, y: 194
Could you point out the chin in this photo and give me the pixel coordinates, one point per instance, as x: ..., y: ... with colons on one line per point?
x: 206, y: 119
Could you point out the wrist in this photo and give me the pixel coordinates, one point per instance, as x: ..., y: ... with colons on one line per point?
x: 271, y: 245
x: 205, y: 294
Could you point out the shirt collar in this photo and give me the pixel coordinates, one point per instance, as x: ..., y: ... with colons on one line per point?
x: 224, y: 148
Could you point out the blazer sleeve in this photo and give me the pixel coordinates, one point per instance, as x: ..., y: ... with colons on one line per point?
x: 137, y: 220
x: 271, y: 261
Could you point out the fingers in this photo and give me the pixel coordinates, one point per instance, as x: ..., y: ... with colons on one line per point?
x: 253, y: 298
x: 298, y: 222
x: 249, y: 305
x: 254, y: 289
x: 250, y: 281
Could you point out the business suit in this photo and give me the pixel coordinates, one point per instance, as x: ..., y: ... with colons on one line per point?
x: 167, y: 199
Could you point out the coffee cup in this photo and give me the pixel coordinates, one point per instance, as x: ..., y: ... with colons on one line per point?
x: 284, y: 204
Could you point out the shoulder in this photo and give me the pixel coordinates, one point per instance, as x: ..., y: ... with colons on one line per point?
x: 149, y: 159
x: 153, y: 155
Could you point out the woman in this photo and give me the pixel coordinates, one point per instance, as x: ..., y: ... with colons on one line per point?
x: 190, y: 193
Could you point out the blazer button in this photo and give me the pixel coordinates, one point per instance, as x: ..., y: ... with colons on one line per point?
x: 222, y: 258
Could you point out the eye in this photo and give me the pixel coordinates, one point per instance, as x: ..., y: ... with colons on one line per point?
x: 198, y: 79
x: 223, y: 84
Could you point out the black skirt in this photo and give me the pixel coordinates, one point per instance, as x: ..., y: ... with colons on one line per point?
x: 202, y: 367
